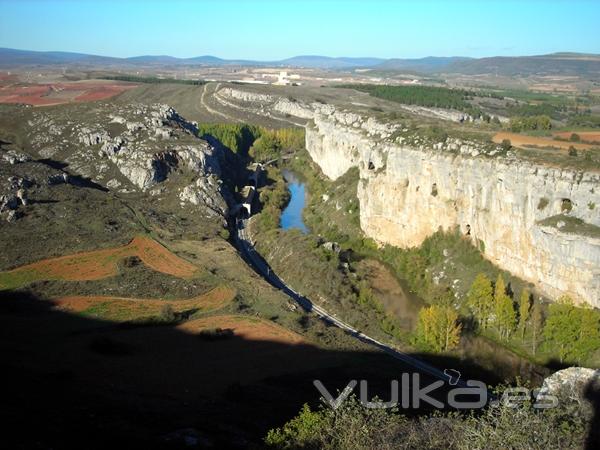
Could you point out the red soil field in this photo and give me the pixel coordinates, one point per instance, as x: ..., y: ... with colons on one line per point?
x: 120, y: 308
x: 58, y: 93
x: 99, y: 264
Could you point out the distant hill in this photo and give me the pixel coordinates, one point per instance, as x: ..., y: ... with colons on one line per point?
x: 326, y: 62
x: 554, y: 64
x: 427, y: 64
x: 11, y: 57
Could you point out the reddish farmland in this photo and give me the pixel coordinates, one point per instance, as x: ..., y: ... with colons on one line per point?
x: 12, y: 91
x: 98, y: 264
x: 121, y: 308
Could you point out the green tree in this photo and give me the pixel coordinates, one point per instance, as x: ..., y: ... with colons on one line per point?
x: 301, y: 428
x: 562, y: 328
x: 589, y: 333
x: 524, y: 309
x: 506, y: 144
x: 503, y: 309
x: 438, y: 328
x: 537, y: 322
x: 480, y: 299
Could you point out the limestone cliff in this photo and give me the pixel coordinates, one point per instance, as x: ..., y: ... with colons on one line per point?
x: 539, y: 223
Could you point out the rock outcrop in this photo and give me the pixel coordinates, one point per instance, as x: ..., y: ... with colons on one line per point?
x: 133, y: 147
x: 410, y: 187
x: 573, y: 381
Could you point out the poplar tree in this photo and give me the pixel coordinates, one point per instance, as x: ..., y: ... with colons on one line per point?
x: 503, y: 308
x: 537, y: 322
x: 438, y: 328
x: 562, y: 327
x: 480, y: 299
x: 524, y: 309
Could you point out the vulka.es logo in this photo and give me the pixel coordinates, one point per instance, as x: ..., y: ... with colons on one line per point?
x: 408, y: 393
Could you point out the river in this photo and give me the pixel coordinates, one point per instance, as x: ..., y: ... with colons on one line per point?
x: 492, y: 359
x: 291, y: 216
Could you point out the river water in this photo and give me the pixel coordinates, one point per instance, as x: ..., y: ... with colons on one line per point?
x: 291, y: 216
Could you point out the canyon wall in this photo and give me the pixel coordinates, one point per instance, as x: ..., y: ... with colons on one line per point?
x: 538, y: 222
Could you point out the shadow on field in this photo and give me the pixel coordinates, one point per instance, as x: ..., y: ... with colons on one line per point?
x: 77, y: 382
x: 76, y: 180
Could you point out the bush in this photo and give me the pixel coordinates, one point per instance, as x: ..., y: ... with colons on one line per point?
x: 131, y: 261
x: 167, y: 314
x: 506, y: 144
x: 575, y: 137
x: 572, y: 151
x: 354, y: 427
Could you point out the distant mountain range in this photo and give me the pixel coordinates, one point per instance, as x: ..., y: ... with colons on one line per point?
x: 553, y: 64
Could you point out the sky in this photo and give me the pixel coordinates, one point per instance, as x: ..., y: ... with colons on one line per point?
x: 271, y: 30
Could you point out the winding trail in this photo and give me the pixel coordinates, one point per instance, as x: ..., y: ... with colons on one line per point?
x: 211, y: 110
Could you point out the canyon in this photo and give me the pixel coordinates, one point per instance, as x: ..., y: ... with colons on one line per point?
x: 539, y: 222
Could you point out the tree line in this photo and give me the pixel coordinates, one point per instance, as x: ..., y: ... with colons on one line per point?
x: 151, y: 80
x: 564, y: 329
x: 429, y: 96
x: 571, y: 332
x: 528, y: 123
x: 260, y: 143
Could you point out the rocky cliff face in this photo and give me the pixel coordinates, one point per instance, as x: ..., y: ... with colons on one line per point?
x: 539, y: 223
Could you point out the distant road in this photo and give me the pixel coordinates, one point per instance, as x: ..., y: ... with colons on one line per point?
x: 211, y: 110
x: 257, y: 262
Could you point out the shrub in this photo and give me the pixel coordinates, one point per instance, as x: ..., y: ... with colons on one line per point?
x: 572, y: 151
x: 575, y: 137
x: 131, y: 261
x: 224, y: 233
x: 167, y: 314
x: 354, y: 427
x: 506, y: 144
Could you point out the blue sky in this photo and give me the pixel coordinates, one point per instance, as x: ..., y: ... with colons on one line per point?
x: 270, y: 29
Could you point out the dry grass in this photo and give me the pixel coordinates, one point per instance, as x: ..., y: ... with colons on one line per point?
x: 120, y: 308
x: 98, y: 264
x: 246, y: 327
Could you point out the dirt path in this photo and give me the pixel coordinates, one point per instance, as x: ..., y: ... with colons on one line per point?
x: 209, y: 109
x: 587, y: 136
x: 520, y: 140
